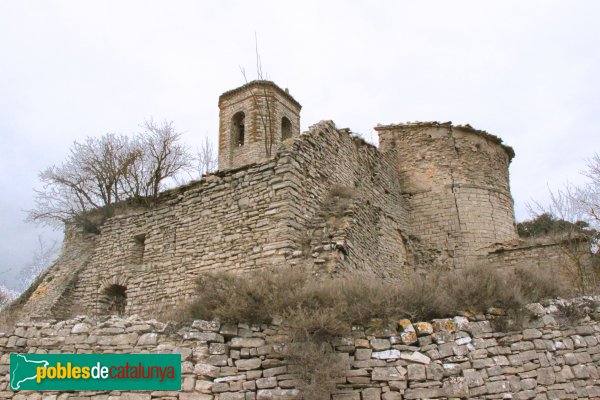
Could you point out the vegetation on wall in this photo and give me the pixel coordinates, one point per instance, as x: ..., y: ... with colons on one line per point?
x: 102, y: 174
x: 571, y: 219
x: 546, y: 224
x: 323, y: 307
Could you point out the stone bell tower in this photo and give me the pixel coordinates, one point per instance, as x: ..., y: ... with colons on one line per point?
x: 254, y: 120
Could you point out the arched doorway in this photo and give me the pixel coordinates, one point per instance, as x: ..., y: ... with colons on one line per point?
x: 113, y: 300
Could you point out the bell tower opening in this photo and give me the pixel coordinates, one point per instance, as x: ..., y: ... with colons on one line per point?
x: 238, y: 128
x: 286, y: 128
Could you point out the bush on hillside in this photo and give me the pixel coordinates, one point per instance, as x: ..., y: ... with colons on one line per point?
x: 329, y: 307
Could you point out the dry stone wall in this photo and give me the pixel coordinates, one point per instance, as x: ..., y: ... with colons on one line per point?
x: 551, y: 358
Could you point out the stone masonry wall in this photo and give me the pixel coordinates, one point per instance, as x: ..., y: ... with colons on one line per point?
x: 231, y: 221
x: 371, y: 233
x: 327, y: 200
x: 532, y: 255
x: 238, y: 220
x: 551, y: 358
x: 53, y: 289
x: 456, y: 181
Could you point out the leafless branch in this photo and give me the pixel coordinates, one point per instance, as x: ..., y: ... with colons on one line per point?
x: 100, y: 173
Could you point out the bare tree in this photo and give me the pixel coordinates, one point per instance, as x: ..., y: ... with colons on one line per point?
x: 566, y: 225
x: 100, y: 173
x: 91, y: 178
x: 588, y: 196
x: 160, y: 157
x: 6, y: 296
x: 43, y: 257
x: 206, y: 158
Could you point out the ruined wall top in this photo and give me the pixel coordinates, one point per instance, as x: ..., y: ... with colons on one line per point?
x: 411, y: 126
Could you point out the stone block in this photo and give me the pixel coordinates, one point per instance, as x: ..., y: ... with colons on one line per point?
x: 248, y: 364
x: 239, y: 342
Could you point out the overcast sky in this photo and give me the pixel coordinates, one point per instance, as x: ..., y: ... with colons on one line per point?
x: 525, y: 71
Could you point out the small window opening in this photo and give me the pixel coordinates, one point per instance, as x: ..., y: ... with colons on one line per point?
x: 286, y: 128
x: 139, y: 247
x: 114, y: 300
x: 239, y: 128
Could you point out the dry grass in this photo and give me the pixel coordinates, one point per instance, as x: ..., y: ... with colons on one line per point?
x: 8, y: 318
x: 329, y: 307
x: 317, y: 365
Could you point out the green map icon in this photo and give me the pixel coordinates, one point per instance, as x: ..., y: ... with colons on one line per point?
x: 23, y: 368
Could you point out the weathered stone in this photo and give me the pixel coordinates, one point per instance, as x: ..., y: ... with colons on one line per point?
x: 435, y: 372
x: 415, y: 357
x: 239, y: 342
x: 391, y: 396
x: 265, y: 383
x: 545, y: 376
x: 247, y: 364
x: 409, y: 337
x: 380, y: 328
x: 380, y: 344
x: 416, y: 372
x: 444, y: 325
x: 278, y: 394
x: 424, y: 393
x: 456, y: 387
x: 232, y: 396
x: 473, y: 378
x: 387, y: 355
x: 346, y: 396
x: 497, y: 387
x: 274, y: 371
x: 204, y: 336
x: 206, y: 325
x: 423, y: 328
x: 362, y: 354
x: 218, y: 348
x: 388, y: 374
x: 80, y: 328
x: 148, y: 339
x: 530, y: 334
x: 206, y: 370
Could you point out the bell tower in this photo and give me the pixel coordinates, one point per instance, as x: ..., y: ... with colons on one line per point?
x: 254, y: 120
